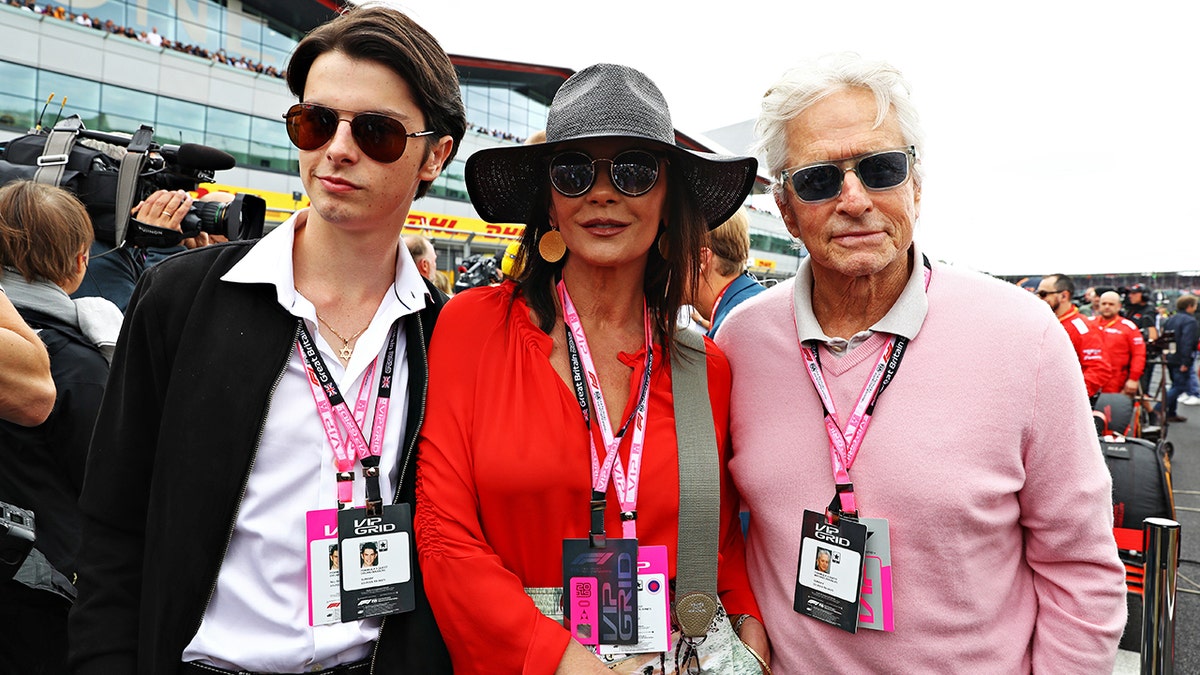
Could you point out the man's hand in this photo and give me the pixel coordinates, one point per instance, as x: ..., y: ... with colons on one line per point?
x: 1131, y: 387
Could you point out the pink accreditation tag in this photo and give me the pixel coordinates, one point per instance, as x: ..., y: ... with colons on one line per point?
x: 875, y: 609
x: 324, y: 568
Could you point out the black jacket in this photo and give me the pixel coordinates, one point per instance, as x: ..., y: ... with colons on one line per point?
x: 43, y: 465
x: 1186, y: 334
x: 193, y: 375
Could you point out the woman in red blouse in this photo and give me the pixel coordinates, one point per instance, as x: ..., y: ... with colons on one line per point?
x: 509, y: 466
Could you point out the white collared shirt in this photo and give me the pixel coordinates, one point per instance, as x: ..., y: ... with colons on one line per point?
x: 257, y: 618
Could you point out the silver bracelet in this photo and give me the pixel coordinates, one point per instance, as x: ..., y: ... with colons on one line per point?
x: 738, y: 620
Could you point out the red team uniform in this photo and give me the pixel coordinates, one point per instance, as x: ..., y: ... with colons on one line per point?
x: 1124, y: 350
x: 1089, y: 347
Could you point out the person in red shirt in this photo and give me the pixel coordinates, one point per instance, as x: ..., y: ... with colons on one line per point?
x: 1124, y: 348
x: 1057, y: 290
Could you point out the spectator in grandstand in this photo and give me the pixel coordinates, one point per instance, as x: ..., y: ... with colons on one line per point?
x: 44, y: 236
x: 967, y: 447
x: 724, y: 281
x: 1124, y: 348
x: 1142, y: 313
x: 1057, y: 290
x: 210, y: 451
x: 1181, y: 361
x: 606, y: 187
x: 422, y: 251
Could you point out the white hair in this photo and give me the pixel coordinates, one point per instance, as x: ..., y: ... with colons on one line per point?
x: 807, y: 83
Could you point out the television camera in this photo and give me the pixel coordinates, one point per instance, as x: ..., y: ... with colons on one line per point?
x: 112, y: 173
x: 477, y: 270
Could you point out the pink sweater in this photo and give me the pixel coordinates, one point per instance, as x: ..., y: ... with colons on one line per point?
x: 983, y: 457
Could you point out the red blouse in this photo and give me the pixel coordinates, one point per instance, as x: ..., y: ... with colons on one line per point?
x: 504, y: 476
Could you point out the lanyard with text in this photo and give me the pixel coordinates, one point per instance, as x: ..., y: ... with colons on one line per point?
x: 844, y: 445
x: 330, y: 403
x: 583, y: 373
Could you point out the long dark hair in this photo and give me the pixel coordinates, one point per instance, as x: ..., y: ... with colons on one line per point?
x: 668, y: 282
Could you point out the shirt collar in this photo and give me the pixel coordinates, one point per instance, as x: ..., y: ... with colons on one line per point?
x: 270, y: 262
x: 904, y: 318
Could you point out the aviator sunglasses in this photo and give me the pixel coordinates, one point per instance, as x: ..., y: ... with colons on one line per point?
x: 632, y: 172
x: 877, y: 171
x: 380, y: 137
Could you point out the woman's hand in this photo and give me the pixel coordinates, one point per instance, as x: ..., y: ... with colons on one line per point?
x: 579, y: 660
x: 754, y: 634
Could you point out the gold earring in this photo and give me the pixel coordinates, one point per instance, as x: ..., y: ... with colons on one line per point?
x: 551, y: 246
x: 663, y: 246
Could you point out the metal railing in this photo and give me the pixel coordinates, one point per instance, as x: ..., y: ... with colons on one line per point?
x: 1161, y: 544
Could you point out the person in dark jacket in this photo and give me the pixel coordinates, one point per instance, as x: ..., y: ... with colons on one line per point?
x: 226, y: 458
x: 1183, y: 359
x: 44, y: 236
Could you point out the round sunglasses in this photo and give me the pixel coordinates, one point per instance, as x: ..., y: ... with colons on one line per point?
x: 632, y: 172
x: 380, y: 137
x: 876, y: 171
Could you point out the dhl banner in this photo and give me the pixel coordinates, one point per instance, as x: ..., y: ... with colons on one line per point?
x: 760, y: 263
x: 433, y: 225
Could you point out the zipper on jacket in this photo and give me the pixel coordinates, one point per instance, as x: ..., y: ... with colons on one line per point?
x: 246, y: 481
x: 404, y: 467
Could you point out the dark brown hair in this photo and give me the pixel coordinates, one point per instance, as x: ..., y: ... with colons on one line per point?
x: 667, y: 281
x: 390, y: 38
x: 42, y: 230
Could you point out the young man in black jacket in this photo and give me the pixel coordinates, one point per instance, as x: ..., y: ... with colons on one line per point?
x: 226, y: 458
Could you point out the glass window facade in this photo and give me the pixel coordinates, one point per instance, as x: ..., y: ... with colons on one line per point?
x: 106, y: 107
x: 205, y: 24
x: 507, y: 111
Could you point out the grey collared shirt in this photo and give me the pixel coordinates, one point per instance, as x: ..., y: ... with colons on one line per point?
x: 904, y: 318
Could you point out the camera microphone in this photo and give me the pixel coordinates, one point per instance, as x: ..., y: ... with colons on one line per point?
x: 196, y: 156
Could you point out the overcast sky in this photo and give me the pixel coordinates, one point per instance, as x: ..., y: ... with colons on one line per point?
x: 1060, y: 135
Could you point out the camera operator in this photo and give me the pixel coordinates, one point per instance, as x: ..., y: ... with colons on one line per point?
x: 114, y: 271
x: 1138, y: 310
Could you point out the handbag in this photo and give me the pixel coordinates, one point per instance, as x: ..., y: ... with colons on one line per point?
x: 703, y: 641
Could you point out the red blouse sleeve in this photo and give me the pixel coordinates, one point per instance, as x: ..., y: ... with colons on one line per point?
x: 490, y: 625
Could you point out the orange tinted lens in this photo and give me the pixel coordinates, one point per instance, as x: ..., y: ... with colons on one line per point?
x: 310, y: 126
x: 379, y: 137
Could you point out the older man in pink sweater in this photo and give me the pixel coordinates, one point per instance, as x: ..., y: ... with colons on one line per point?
x: 977, y: 473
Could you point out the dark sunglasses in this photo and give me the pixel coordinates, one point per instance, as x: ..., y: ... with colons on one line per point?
x: 380, y: 137
x: 1043, y: 294
x: 633, y: 172
x: 877, y: 171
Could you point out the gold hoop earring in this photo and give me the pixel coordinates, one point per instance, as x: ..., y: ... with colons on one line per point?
x: 551, y: 246
x: 664, y: 247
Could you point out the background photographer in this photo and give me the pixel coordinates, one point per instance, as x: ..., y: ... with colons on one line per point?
x: 1142, y: 314
x: 44, y: 237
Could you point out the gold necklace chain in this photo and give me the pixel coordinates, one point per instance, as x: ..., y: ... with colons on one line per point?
x: 346, y: 349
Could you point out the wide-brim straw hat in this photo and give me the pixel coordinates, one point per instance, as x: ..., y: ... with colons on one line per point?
x: 601, y: 101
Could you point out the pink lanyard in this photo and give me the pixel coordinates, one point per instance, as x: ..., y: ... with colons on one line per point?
x: 624, y: 482
x: 332, y: 409
x: 844, y: 445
